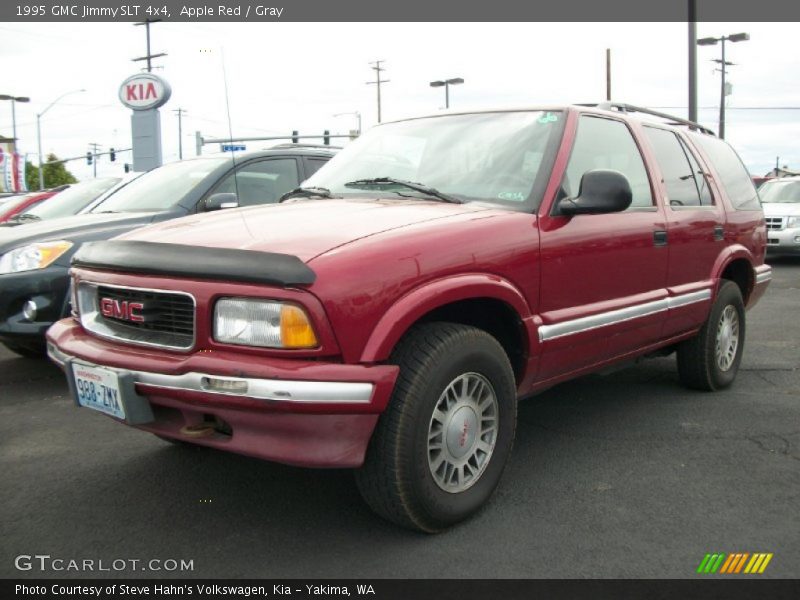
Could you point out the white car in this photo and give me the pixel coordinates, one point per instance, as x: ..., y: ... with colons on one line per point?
x: 781, y: 201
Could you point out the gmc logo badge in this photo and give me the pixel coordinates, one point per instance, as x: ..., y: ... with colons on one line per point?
x: 122, y: 309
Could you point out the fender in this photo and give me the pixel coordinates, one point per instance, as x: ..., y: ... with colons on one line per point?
x: 420, y: 301
x: 726, y: 257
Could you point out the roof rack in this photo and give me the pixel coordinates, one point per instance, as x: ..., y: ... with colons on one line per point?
x: 671, y: 119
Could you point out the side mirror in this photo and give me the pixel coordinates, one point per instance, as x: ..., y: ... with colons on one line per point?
x: 220, y: 201
x: 602, y: 191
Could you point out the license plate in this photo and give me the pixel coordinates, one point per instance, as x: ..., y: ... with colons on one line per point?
x: 98, y: 389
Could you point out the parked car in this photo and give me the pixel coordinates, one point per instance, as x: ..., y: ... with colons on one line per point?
x: 781, y: 201
x: 71, y: 201
x: 34, y: 259
x: 23, y: 202
x: 388, y: 316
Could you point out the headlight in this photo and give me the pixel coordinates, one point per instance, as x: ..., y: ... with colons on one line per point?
x: 263, y: 323
x: 792, y: 222
x: 35, y: 256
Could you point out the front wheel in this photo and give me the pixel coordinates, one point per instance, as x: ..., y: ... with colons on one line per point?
x: 710, y: 360
x: 440, y: 448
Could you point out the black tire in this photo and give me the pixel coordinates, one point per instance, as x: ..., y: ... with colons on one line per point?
x: 698, y: 364
x: 35, y: 352
x: 396, y: 480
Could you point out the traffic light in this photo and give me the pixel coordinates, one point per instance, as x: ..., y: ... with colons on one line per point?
x: 295, y: 136
x: 112, y: 155
x: 88, y: 158
x: 326, y: 137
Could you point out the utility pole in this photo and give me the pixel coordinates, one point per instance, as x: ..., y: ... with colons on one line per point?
x: 148, y: 57
x: 94, y: 148
x: 693, y: 60
x: 378, y: 81
x: 180, y: 112
x: 608, y: 74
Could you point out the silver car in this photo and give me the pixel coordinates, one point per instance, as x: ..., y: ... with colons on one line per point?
x: 781, y: 201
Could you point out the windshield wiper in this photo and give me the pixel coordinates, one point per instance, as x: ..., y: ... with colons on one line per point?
x: 26, y: 217
x: 417, y: 187
x: 307, y: 192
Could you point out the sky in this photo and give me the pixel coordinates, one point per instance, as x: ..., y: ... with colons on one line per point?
x: 297, y: 76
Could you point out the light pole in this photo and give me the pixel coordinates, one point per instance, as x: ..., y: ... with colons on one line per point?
x: 712, y: 41
x: 39, y: 133
x: 14, y: 100
x: 446, y: 85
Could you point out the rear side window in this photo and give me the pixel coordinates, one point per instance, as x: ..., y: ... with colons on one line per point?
x: 683, y: 178
x: 732, y: 174
x: 607, y: 144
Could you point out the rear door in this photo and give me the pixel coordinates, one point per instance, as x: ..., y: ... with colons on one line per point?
x: 695, y: 227
x: 603, y: 276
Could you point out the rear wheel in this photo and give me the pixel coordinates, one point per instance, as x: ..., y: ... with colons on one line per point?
x: 710, y: 360
x: 440, y: 448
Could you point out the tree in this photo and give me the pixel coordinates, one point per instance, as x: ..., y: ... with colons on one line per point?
x: 55, y: 174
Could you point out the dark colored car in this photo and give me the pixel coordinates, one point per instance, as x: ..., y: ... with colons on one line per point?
x: 34, y: 259
x: 73, y: 200
x: 451, y: 265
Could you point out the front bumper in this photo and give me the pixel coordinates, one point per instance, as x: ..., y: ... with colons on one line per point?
x: 307, y: 413
x: 47, y: 288
x: 784, y: 241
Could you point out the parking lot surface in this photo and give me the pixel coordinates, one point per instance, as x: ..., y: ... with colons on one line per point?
x: 618, y: 475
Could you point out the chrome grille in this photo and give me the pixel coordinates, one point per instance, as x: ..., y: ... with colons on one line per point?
x: 163, y: 318
x: 775, y: 223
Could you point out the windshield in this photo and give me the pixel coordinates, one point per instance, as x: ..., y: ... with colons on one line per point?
x: 161, y: 188
x: 787, y: 192
x: 15, y: 202
x: 73, y: 199
x: 500, y: 157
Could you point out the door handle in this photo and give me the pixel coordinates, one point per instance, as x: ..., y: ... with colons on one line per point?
x: 719, y: 233
x: 660, y: 237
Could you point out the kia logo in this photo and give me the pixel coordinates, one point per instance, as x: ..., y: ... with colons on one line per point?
x: 122, y: 309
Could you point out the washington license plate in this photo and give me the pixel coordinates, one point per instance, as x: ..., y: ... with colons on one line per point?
x: 98, y: 388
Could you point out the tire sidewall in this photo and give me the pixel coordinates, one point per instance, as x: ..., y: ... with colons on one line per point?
x: 729, y: 295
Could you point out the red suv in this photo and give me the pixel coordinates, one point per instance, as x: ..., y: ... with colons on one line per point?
x: 390, y: 313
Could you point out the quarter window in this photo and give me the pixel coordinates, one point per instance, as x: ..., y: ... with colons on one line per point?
x: 607, y: 144
x: 733, y: 175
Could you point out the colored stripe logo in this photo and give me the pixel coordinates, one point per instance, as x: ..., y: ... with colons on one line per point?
x: 735, y: 563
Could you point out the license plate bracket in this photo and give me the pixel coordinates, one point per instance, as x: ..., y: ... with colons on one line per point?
x: 116, y: 387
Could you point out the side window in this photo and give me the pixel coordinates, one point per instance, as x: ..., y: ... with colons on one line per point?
x: 313, y: 165
x: 734, y: 177
x: 678, y: 168
x: 699, y: 176
x: 261, y: 182
x: 607, y: 144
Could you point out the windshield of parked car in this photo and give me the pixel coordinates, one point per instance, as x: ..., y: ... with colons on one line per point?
x: 72, y: 200
x: 497, y: 157
x: 161, y: 188
x: 16, y: 201
x: 787, y: 192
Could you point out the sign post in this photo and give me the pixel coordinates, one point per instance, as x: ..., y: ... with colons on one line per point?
x: 144, y: 93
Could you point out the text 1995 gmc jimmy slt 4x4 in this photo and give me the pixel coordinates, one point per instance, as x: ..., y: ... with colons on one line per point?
x: 390, y: 313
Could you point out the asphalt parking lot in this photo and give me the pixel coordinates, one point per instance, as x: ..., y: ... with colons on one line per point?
x: 622, y: 475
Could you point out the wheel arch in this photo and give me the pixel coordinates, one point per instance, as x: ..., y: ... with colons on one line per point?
x: 488, y: 302
x: 737, y: 265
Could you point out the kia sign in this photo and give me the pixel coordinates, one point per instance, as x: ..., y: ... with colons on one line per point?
x: 144, y: 91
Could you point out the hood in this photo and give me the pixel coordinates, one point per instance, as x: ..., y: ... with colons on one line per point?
x: 781, y: 209
x: 78, y: 228
x: 304, y: 229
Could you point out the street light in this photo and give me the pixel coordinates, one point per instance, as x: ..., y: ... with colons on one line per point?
x: 39, y: 133
x: 712, y: 41
x: 14, y: 100
x: 446, y: 85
